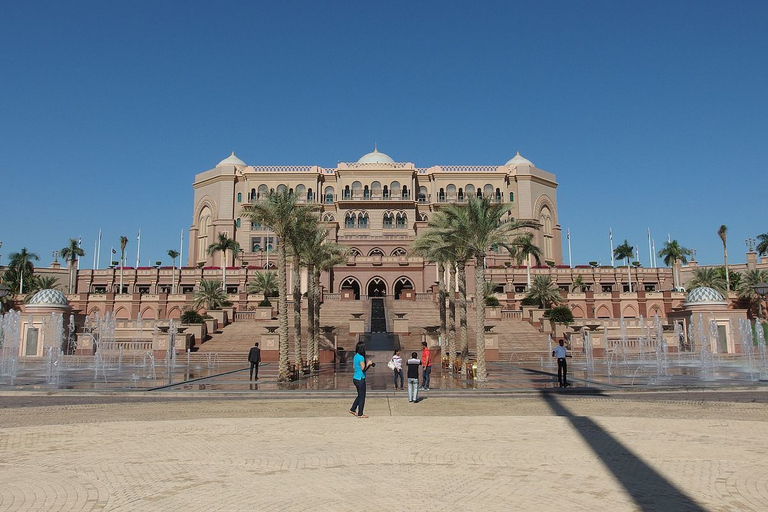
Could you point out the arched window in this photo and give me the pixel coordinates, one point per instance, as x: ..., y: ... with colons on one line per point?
x: 355, y: 252
x: 405, y: 192
x: 469, y: 189
x: 204, y: 224
x: 402, y: 220
x: 346, y: 192
x: 511, y: 197
x: 399, y: 252
x: 301, y: 191
x: 362, y: 220
x: 389, y: 220
x: 252, y: 196
x: 376, y: 189
x: 545, y: 218
x: 441, y: 195
x: 479, y: 193
x: 349, y: 220
x: 281, y: 188
x: 255, y: 225
x: 394, y: 188
x: 329, y: 193
x: 385, y: 194
x: 310, y: 195
x: 239, y: 197
x: 366, y: 192
x: 357, y: 189
x: 328, y: 217
x: 488, y: 190
x: 423, y: 217
x: 451, y: 192
x: 237, y: 222
x: 263, y: 192
x: 376, y: 252
x: 498, y: 195
x: 461, y: 195
x: 422, y: 195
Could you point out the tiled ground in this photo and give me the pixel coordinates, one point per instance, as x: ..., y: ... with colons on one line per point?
x: 542, y: 451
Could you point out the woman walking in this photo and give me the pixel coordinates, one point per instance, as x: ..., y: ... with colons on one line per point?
x: 397, y: 368
x: 360, y: 365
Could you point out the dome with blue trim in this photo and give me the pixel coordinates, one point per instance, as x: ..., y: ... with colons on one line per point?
x: 48, y: 298
x: 375, y: 157
x: 704, y: 294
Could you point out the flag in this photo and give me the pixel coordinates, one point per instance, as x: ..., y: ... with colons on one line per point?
x: 568, y: 233
x: 114, y: 251
x: 610, y: 233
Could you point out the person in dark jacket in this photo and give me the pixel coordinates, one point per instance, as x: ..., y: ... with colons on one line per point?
x: 413, y: 377
x: 254, y: 357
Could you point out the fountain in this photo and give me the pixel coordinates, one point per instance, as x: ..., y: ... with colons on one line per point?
x: 641, y: 341
x: 662, y: 362
x: 10, y: 340
x: 550, y: 359
x: 588, y: 351
x: 761, y: 349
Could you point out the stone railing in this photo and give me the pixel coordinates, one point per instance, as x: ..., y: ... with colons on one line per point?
x: 511, y: 313
x: 282, y: 168
x: 126, y: 346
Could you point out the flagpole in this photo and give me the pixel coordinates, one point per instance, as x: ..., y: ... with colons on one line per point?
x: 650, y: 251
x: 95, y: 244
x: 98, y: 252
x: 138, y: 249
x: 653, y: 244
x: 570, y: 261
x: 610, y: 235
x: 79, y: 244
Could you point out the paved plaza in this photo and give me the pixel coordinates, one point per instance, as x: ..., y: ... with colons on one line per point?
x: 544, y: 450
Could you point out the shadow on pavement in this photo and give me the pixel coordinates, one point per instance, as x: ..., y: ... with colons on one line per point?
x: 649, y: 490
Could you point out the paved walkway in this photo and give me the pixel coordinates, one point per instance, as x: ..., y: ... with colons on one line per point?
x: 547, y: 451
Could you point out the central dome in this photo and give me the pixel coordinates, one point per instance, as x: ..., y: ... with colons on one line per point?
x: 375, y: 158
x: 48, y: 297
x: 704, y: 294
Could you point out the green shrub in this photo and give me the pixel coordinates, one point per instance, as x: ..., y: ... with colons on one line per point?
x: 265, y: 303
x: 529, y: 301
x: 492, y: 301
x: 560, y: 315
x: 191, y: 317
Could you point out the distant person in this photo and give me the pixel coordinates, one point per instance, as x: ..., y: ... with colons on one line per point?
x: 426, y: 363
x: 397, y: 368
x: 254, y: 357
x: 562, y: 365
x: 360, y: 365
x: 413, y: 377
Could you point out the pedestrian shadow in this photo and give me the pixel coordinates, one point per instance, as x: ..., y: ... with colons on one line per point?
x: 650, y: 490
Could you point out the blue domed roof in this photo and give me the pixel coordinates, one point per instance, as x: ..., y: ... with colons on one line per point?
x: 48, y: 298
x: 375, y: 157
x: 704, y: 294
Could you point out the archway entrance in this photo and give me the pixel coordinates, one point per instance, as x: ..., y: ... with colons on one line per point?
x: 402, y: 284
x: 377, y: 287
x: 351, y: 284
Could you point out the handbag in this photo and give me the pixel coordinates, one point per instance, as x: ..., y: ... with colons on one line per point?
x: 391, y: 364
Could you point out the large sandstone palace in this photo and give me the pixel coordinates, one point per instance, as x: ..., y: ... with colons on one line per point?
x: 374, y: 206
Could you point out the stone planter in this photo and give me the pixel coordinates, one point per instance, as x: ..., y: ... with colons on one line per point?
x: 211, y: 325
x: 220, y: 315
x: 493, y: 312
x: 199, y: 332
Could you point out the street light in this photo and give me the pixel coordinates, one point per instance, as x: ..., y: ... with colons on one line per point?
x: 761, y: 289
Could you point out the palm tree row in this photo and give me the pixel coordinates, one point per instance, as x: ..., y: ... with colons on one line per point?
x: 459, y: 233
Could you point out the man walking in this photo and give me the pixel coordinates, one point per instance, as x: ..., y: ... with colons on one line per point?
x: 426, y: 365
x: 562, y: 365
x: 254, y: 357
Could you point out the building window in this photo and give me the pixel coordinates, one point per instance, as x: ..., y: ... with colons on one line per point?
x: 607, y: 288
x: 362, y: 221
x: 389, y: 220
x: 349, y: 221
x: 187, y: 289
x: 239, y: 197
x: 237, y: 222
x: 402, y: 221
x: 329, y: 192
x: 511, y: 197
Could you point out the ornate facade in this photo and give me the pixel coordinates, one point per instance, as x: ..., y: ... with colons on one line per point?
x: 375, y: 207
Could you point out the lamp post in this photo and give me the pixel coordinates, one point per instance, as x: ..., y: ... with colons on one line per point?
x: 761, y: 289
x: 4, y: 290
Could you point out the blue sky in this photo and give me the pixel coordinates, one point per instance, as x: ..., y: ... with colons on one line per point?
x: 651, y: 114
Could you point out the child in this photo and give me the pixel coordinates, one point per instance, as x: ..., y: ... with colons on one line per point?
x: 413, y: 377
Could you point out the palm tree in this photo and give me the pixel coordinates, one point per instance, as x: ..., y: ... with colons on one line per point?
x: 672, y: 252
x: 434, y: 248
x: 20, y: 263
x: 322, y: 258
x: 301, y: 231
x: 70, y: 253
x: 123, y: 244
x: 173, y: 255
x: 479, y: 226
x: 209, y: 295
x: 544, y: 291
x: 733, y: 276
x: 708, y: 277
x: 523, y: 249
x: 746, y: 290
x: 264, y: 283
x: 37, y: 283
x: 762, y: 244
x: 625, y: 252
x: 578, y: 283
x: 278, y: 211
x: 723, y: 234
x: 223, y: 243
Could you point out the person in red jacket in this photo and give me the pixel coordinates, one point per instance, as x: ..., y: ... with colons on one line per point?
x: 426, y: 365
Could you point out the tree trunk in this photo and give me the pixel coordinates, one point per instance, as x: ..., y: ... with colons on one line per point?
x: 283, y: 371
x: 674, y: 275
x: 482, y: 375
x: 727, y: 277
x: 452, y: 314
x: 462, y: 273
x: 528, y: 273
x: 224, y: 271
x: 297, y: 312
x: 316, y: 343
x: 441, y: 304
x: 311, y: 340
x: 629, y: 277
